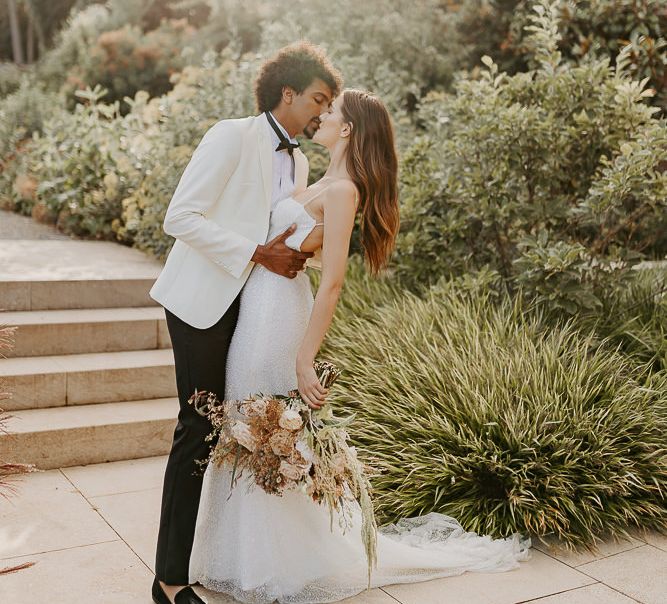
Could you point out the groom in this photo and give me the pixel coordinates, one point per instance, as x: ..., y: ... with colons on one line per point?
x: 219, y: 215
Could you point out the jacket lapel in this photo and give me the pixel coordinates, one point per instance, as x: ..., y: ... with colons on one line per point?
x: 300, y: 171
x: 266, y: 161
x: 265, y: 156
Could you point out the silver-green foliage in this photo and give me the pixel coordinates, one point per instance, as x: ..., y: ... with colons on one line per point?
x: 481, y: 411
x: 23, y: 112
x: 10, y: 78
x: 72, y: 160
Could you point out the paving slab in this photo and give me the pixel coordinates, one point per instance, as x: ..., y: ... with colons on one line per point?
x: 136, y: 517
x: 118, y: 476
x: 106, y: 573
x: 99, y: 520
x: 540, y: 576
x: 653, y: 538
x: 609, y: 547
x: 48, y: 514
x: 640, y: 573
x: 591, y: 594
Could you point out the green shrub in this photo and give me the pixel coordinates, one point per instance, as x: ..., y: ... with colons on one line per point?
x: 485, y: 412
x: 71, y: 44
x: 80, y: 32
x: 74, y: 163
x: 10, y: 78
x: 24, y: 112
x: 552, y: 178
x: 634, y: 317
x: 166, y: 131
x: 604, y: 28
x: 123, y: 46
x: 127, y: 60
x: 397, y: 48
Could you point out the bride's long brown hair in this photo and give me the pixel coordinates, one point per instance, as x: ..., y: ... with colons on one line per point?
x: 373, y: 167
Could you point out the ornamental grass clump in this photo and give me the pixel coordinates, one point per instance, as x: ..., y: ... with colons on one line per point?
x: 480, y: 410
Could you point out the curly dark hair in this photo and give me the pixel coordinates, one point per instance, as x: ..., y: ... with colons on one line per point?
x: 296, y: 66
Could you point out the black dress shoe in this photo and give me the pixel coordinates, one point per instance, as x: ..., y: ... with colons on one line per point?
x: 187, y: 595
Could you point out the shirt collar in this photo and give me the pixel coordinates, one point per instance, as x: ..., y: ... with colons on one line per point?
x: 275, y: 136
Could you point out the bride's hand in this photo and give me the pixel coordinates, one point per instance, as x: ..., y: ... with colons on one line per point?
x: 310, y: 389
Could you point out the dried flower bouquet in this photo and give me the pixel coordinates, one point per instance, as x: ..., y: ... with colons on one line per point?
x: 286, y: 445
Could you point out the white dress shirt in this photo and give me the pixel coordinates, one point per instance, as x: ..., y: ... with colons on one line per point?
x: 283, y: 167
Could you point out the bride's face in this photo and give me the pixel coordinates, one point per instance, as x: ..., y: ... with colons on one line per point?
x: 332, y: 126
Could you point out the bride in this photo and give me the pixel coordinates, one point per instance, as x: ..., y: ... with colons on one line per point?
x: 262, y: 548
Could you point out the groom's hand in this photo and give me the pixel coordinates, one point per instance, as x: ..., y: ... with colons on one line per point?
x: 279, y: 258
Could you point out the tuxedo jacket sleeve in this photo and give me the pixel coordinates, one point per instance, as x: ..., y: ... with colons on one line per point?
x: 203, y: 182
x: 201, y: 185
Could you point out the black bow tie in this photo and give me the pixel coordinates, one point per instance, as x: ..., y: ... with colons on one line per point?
x: 284, y: 143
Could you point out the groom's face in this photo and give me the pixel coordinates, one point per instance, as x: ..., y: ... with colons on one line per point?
x: 307, y: 107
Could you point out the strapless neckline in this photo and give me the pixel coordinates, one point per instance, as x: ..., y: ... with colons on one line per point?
x: 284, y: 213
x: 301, y: 206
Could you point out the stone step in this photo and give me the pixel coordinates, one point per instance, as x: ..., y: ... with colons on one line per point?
x: 56, y: 332
x: 20, y: 295
x: 69, y: 436
x: 55, y: 275
x: 81, y: 379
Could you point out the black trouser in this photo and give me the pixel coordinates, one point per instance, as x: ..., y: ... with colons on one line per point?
x: 200, y: 356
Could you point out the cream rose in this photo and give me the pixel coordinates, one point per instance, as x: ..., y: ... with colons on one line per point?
x: 282, y: 442
x: 306, y: 452
x: 241, y: 432
x: 290, y: 471
x: 290, y: 420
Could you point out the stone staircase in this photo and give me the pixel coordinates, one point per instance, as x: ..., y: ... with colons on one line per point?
x: 91, y: 373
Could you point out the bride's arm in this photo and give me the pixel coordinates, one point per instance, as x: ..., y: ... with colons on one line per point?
x: 339, y: 211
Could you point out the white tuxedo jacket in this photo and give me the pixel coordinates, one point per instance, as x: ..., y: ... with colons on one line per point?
x: 218, y: 214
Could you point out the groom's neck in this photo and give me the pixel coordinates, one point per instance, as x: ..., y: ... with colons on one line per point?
x: 282, y: 116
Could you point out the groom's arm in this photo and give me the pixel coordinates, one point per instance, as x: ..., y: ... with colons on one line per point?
x: 213, y: 162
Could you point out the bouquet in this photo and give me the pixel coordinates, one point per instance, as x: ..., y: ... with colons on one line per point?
x: 287, y: 445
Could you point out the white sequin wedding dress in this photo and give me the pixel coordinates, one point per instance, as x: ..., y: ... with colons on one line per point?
x: 263, y: 548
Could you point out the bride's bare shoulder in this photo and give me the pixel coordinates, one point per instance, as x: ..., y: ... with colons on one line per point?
x: 341, y: 194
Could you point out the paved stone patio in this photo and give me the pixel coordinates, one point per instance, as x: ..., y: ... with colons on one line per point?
x: 91, y: 531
